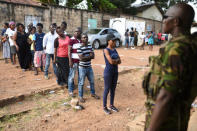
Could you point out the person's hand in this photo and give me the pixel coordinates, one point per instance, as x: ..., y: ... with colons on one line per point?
x: 91, y: 54
x: 54, y: 61
x: 17, y: 48
x: 71, y: 64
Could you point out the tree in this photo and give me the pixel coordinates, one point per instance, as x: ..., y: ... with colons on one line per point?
x: 49, y: 1
x: 97, y: 5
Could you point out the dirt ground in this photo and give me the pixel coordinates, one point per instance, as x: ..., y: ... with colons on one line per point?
x: 52, y: 112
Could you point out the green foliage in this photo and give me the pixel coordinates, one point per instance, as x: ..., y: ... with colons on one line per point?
x: 73, y: 3
x: 49, y: 1
x: 97, y: 5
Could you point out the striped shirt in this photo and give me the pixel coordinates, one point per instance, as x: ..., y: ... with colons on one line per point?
x: 75, y: 43
x: 85, y: 51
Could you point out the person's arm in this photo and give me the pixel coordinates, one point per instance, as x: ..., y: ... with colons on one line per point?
x: 45, y: 39
x: 56, y: 44
x: 171, y: 85
x: 70, y: 54
x: 14, y: 40
x: 85, y: 58
x: 34, y: 41
x: 163, y: 104
x: 110, y: 60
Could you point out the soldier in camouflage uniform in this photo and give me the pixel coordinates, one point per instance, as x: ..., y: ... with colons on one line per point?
x: 171, y: 83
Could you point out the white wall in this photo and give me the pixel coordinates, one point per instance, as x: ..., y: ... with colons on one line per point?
x: 151, y: 13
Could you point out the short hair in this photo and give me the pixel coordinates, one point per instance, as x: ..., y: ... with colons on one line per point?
x: 78, y: 29
x: 39, y: 24
x: 6, y: 24
x: 33, y: 27
x: 19, y: 24
x: 64, y: 23
x: 186, y: 9
x: 58, y: 28
x: 54, y: 24
x: 84, y: 34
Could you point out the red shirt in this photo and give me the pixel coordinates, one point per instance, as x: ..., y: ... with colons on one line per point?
x: 62, y: 46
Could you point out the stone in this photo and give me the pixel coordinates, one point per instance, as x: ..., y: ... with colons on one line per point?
x: 74, y: 102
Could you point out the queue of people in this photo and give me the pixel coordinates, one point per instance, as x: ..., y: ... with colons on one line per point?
x: 170, y: 85
x: 69, y: 55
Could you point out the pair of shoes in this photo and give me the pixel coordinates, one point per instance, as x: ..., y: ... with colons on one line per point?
x: 106, y: 110
x: 132, y: 48
x: 95, y: 96
x: 113, y: 108
x: 46, y: 77
x: 81, y: 99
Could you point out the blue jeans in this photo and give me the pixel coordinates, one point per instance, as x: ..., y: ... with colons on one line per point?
x: 110, y: 82
x: 126, y: 41
x: 71, y: 77
x: 48, y: 58
x: 83, y: 72
x: 131, y: 42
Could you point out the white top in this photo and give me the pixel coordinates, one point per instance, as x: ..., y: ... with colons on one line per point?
x: 10, y: 33
x: 141, y: 39
x: 48, y: 42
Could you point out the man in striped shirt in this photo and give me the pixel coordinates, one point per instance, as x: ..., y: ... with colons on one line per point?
x: 73, y: 59
x: 86, y: 54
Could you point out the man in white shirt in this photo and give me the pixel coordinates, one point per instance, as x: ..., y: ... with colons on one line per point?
x: 9, y: 34
x: 48, y: 45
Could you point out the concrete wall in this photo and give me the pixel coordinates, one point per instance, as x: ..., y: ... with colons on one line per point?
x: 152, y: 13
x: 57, y: 14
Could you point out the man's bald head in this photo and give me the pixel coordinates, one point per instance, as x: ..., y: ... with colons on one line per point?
x: 184, y: 12
x: 178, y: 19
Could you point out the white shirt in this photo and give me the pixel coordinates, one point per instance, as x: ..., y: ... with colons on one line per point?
x: 48, y: 42
x: 10, y: 33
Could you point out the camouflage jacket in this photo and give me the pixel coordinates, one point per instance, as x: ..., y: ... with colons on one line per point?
x: 174, y: 69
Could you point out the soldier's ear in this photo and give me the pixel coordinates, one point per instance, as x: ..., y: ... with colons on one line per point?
x: 177, y: 21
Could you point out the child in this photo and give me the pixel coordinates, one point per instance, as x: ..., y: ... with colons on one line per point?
x: 32, y: 37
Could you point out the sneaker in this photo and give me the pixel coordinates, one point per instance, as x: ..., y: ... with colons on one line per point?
x: 46, y: 77
x: 106, y: 111
x: 95, y: 96
x: 82, y: 100
x: 113, y: 108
